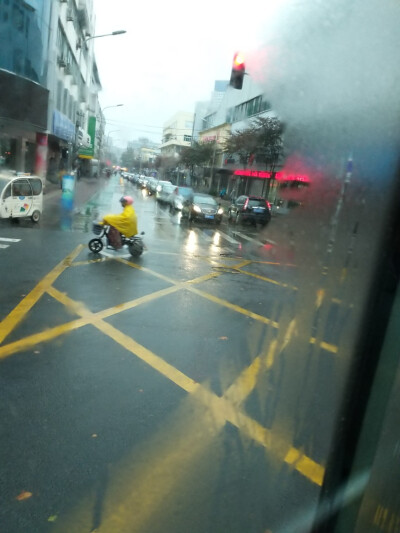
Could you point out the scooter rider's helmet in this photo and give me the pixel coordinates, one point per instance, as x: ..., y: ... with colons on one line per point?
x: 126, y: 200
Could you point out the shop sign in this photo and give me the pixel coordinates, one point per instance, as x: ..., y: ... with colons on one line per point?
x: 88, y: 153
x: 62, y: 128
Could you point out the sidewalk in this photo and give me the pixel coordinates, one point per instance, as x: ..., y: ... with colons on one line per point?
x: 85, y: 188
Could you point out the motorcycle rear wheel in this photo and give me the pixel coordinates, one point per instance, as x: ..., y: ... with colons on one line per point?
x: 95, y: 246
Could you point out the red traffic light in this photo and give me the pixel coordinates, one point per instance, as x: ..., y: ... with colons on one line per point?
x: 238, y: 71
x: 238, y: 61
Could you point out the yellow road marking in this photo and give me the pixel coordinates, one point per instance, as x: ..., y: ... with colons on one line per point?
x: 20, y: 311
x: 320, y: 298
x: 305, y: 465
x: 221, y: 407
x: 155, y: 478
x: 43, y: 336
x: 90, y: 261
x: 274, y: 263
x: 332, y: 348
x: 269, y: 280
x: 244, y: 385
x: 200, y: 279
x: 234, y: 307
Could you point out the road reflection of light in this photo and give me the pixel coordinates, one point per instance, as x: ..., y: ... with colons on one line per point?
x: 215, y: 242
x: 144, y: 193
x: 191, y: 243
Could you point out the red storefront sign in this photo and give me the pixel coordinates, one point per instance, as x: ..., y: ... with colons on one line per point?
x: 280, y: 176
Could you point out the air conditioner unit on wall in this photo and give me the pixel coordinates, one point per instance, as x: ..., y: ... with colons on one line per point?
x: 70, y: 15
x: 61, y: 62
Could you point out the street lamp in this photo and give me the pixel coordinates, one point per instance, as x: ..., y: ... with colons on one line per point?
x: 117, y: 32
x: 108, y: 107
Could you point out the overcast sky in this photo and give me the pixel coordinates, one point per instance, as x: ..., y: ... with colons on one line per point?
x: 171, y: 55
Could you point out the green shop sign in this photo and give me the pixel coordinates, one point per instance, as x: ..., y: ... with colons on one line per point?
x: 88, y: 153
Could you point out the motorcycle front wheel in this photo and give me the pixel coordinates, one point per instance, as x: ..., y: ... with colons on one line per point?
x: 136, y: 248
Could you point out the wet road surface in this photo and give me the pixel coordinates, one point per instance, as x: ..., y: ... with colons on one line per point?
x: 170, y: 393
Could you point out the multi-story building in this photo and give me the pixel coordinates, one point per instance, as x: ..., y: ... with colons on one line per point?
x: 49, y: 85
x: 24, y: 48
x: 232, y: 112
x: 205, y: 108
x: 177, y: 133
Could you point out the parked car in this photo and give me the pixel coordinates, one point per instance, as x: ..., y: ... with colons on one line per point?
x: 179, y: 195
x: 142, y: 182
x: 253, y: 209
x: 164, y: 190
x: 151, y: 184
x: 202, y: 207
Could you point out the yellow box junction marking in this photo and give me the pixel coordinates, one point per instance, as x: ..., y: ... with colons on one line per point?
x: 25, y: 305
x: 225, y: 407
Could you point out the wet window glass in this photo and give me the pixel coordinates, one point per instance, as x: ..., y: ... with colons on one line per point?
x: 36, y: 186
x: 199, y: 266
x: 5, y: 187
x: 21, y: 188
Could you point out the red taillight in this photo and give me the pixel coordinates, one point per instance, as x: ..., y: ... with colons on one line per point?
x: 246, y: 203
x: 269, y: 206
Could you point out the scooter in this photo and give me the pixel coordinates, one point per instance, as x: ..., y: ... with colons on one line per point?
x: 135, y: 243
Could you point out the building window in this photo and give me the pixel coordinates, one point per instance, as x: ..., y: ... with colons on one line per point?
x: 247, y: 109
x: 59, y: 94
x: 187, y: 138
x: 18, y: 18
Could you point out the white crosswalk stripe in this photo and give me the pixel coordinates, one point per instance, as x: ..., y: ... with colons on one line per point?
x: 250, y: 239
x: 6, y: 239
x: 228, y: 238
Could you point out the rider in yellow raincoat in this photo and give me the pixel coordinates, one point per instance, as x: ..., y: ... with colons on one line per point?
x: 125, y: 223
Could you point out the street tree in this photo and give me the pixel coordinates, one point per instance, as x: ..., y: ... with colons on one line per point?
x: 262, y: 141
x: 128, y: 158
x: 269, y: 134
x: 198, y: 154
x: 243, y: 143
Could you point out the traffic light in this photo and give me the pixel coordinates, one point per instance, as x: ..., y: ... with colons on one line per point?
x: 238, y: 71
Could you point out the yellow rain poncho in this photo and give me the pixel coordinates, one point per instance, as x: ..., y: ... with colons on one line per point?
x: 125, y: 223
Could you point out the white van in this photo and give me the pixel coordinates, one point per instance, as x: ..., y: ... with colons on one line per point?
x: 21, y: 196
